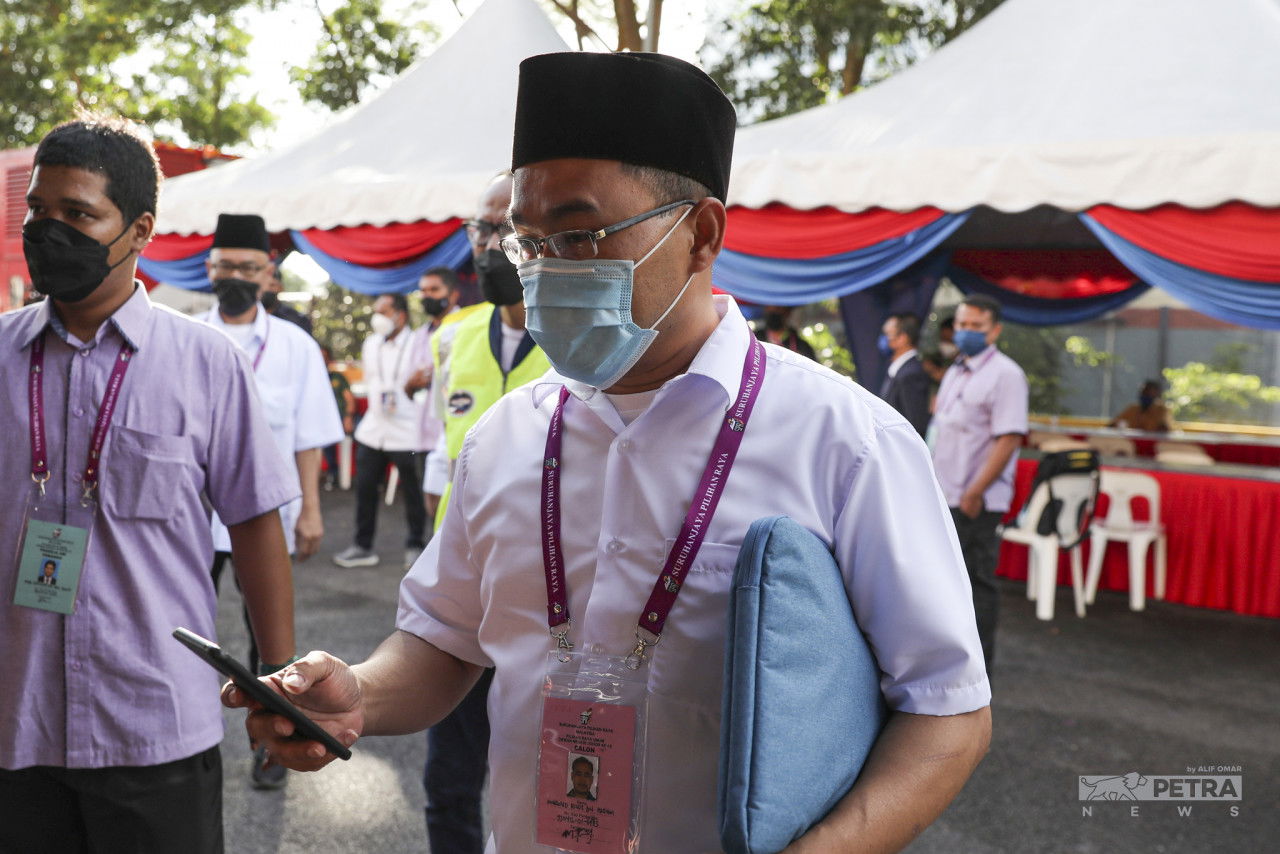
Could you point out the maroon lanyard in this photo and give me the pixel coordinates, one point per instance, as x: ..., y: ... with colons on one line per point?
x: 262, y: 348
x: 35, y: 386
x: 667, y: 586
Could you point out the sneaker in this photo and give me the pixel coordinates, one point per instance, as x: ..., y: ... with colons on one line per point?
x: 411, y: 557
x: 356, y: 556
x: 263, y: 776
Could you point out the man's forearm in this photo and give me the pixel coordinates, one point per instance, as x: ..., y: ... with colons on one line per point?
x: 407, y: 685
x: 265, y: 574
x: 917, y: 767
x: 1001, y: 450
x: 309, y: 475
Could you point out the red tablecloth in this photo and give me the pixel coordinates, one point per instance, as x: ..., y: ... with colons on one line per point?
x: 1222, y: 452
x: 1224, y: 543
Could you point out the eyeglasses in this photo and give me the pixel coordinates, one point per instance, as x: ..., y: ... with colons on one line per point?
x: 229, y: 268
x: 576, y: 245
x: 479, y: 231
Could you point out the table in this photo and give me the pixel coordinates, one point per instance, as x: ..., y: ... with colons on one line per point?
x: 1223, y: 528
x: 1223, y: 447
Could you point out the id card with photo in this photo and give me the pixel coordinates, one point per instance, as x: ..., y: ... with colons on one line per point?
x: 585, y: 775
x: 388, y: 400
x: 49, y: 565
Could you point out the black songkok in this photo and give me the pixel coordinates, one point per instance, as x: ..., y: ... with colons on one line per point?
x: 646, y: 109
x: 241, y: 231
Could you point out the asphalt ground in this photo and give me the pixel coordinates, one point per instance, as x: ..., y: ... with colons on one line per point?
x: 1156, y: 693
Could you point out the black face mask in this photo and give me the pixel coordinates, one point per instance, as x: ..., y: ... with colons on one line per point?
x: 235, y: 296
x: 499, y: 281
x: 775, y: 321
x: 269, y: 300
x: 65, y: 263
x: 435, y: 306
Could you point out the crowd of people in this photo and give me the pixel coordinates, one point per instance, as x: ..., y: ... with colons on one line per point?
x: 548, y: 442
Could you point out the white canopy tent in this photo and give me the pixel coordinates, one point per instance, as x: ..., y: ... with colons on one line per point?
x: 423, y: 149
x: 1068, y: 104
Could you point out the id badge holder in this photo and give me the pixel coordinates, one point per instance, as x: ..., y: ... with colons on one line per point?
x: 51, y: 553
x: 388, y: 399
x: 590, y: 772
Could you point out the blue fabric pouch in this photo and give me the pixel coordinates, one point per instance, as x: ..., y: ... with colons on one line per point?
x: 802, y: 703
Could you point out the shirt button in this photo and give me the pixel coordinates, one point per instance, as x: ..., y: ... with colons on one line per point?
x: 624, y: 445
x: 614, y: 547
x: 86, y: 351
x: 79, y: 412
x: 75, y: 665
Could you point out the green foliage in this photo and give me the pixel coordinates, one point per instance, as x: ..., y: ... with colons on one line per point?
x: 56, y: 55
x: 777, y: 57
x: 828, y: 349
x: 1085, y: 355
x: 340, y: 320
x: 193, y: 86
x: 360, y: 48
x: 1218, y: 391
x: 1038, y: 351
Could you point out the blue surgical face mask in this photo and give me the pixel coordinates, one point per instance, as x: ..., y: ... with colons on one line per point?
x: 971, y: 342
x: 579, y: 313
x: 882, y: 344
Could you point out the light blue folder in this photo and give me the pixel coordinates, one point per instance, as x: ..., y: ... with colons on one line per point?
x: 802, y: 703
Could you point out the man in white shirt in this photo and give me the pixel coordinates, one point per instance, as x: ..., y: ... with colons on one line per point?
x: 388, y: 434
x: 620, y: 200
x: 293, y: 385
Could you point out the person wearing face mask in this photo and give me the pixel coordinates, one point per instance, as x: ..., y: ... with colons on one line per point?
x: 775, y: 328
x: 579, y: 496
x: 293, y: 386
x: 276, y: 307
x: 1148, y: 413
x: 125, y: 421
x: 981, y: 418
x: 388, y: 434
x: 438, y: 289
x: 488, y: 353
x: 905, y: 386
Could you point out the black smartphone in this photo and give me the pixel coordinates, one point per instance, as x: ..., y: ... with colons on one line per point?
x: 248, y: 683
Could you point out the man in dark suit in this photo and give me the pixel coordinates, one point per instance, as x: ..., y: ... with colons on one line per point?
x: 906, y: 387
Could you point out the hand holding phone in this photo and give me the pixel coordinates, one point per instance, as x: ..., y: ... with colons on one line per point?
x: 305, y: 728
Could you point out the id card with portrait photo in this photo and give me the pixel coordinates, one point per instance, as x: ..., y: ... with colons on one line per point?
x: 589, y: 767
x: 49, y: 564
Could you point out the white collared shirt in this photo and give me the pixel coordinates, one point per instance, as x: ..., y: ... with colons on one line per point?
x: 896, y: 364
x: 387, y: 367
x: 293, y: 385
x: 818, y: 448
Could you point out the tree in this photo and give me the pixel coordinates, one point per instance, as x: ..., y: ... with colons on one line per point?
x: 360, y: 46
x: 633, y: 31
x: 192, y: 87
x: 55, y: 56
x: 777, y: 57
x: 1219, y: 391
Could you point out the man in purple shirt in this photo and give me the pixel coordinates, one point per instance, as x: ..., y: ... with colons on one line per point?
x: 109, y: 729
x: 981, y: 413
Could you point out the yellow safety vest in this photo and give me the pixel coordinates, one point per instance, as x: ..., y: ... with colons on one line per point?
x: 476, y: 381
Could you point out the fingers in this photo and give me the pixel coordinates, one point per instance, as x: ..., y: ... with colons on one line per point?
x: 315, y: 666
x: 275, y: 733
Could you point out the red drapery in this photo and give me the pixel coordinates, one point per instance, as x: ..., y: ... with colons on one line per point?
x: 1221, y: 534
x: 1235, y: 239
x: 1048, y: 274
x: 175, y: 247
x: 374, y: 245
x: 778, y: 231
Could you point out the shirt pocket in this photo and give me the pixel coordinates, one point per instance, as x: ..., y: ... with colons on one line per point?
x: 145, y: 474
x: 688, y: 662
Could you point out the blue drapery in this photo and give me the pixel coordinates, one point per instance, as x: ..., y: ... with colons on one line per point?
x: 454, y: 251
x: 865, y: 311
x: 775, y: 281
x: 186, y: 272
x: 1035, y: 311
x: 1255, y: 304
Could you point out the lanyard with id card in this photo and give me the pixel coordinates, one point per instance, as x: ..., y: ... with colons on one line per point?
x: 590, y: 773
x: 51, y: 551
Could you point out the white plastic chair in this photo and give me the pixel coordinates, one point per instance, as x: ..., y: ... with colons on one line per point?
x: 1122, y: 487
x: 1196, y: 457
x: 1077, y: 492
